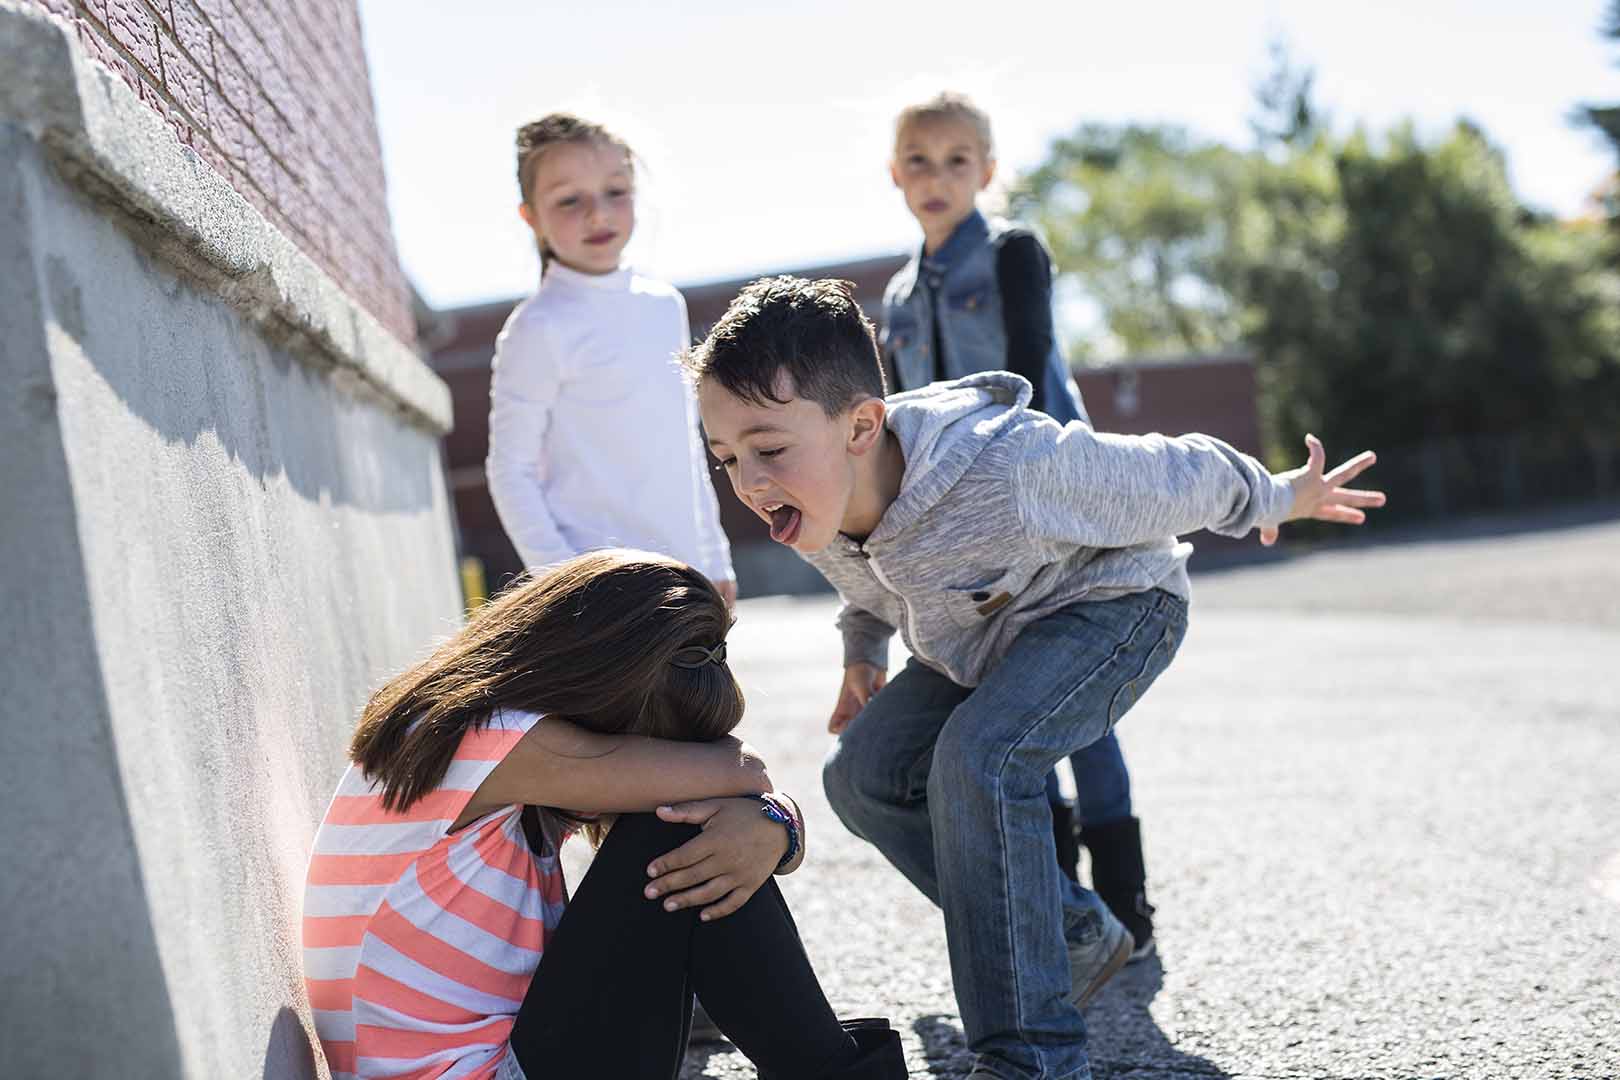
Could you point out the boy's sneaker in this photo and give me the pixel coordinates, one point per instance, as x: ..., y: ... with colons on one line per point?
x: 1094, y: 963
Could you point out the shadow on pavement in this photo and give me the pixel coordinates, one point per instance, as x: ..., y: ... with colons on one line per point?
x: 1125, y: 1039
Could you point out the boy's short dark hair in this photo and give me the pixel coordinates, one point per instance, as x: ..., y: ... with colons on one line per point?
x: 813, y: 331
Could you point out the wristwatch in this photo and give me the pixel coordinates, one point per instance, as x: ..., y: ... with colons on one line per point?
x: 773, y: 809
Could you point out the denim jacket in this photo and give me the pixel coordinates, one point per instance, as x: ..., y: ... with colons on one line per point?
x: 961, y: 275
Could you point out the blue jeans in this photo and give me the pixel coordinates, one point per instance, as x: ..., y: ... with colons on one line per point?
x: 982, y: 755
x: 1102, y: 785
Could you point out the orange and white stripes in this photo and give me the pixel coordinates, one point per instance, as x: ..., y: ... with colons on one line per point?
x: 419, y: 945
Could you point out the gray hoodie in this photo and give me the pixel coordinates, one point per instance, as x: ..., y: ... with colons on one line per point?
x: 1004, y: 517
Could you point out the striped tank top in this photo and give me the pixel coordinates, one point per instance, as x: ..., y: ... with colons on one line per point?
x: 420, y: 944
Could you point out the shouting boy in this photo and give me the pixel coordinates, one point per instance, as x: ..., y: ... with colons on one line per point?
x: 1034, y: 573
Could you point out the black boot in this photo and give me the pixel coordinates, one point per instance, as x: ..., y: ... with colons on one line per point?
x: 881, y: 1057
x: 1068, y: 848
x: 1118, y: 876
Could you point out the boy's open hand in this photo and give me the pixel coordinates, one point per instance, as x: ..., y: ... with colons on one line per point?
x: 861, y: 681
x: 1322, y: 495
x: 722, y: 866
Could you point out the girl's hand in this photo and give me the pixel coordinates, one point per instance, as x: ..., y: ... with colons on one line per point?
x: 736, y: 853
x: 1321, y: 496
x: 861, y: 681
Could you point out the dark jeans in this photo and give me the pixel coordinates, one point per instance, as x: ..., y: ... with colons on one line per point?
x: 613, y: 993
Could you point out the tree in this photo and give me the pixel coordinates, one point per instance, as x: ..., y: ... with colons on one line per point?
x: 1139, y: 215
x: 1394, y: 290
x: 1606, y: 118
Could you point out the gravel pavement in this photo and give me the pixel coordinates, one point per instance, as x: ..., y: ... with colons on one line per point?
x: 1380, y: 790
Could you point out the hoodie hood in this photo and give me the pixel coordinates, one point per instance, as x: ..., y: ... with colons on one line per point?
x: 942, y: 429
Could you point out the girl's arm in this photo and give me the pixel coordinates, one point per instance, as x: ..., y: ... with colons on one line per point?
x: 1024, y: 279
x: 563, y: 765
x: 524, y: 384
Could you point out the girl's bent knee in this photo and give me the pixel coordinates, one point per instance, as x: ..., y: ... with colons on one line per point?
x: 648, y: 832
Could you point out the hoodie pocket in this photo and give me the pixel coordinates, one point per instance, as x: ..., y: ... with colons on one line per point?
x: 972, y: 606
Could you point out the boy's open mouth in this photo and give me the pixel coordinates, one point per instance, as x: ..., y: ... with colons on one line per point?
x: 785, y: 521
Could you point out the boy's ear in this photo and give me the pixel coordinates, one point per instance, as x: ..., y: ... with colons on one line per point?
x: 894, y: 171
x: 989, y: 173
x: 866, y: 425
x: 526, y: 212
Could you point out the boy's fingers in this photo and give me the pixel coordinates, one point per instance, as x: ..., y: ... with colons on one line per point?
x: 1268, y: 535
x: 1357, y: 497
x: 880, y: 681
x: 1315, y: 455
x: 1352, y: 468
x: 1345, y: 515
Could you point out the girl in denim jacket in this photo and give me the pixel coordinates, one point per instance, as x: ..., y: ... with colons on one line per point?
x: 978, y: 297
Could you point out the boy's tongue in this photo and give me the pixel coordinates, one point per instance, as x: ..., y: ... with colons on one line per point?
x: 784, y: 524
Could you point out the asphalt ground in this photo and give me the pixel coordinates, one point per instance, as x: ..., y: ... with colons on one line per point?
x: 1380, y: 794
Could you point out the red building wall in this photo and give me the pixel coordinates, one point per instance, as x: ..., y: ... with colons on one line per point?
x: 277, y: 99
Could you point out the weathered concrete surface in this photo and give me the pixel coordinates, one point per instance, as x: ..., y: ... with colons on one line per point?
x: 1395, y: 855
x: 214, y: 538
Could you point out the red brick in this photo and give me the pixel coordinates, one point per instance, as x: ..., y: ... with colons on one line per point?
x: 133, y: 27
x: 278, y: 91
x: 231, y: 131
x: 234, y: 80
x: 184, y: 80
x: 192, y: 33
x: 237, y: 33
x: 102, y: 50
x: 159, y: 103
x: 216, y: 11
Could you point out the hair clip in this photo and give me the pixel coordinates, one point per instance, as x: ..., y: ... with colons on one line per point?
x: 695, y: 656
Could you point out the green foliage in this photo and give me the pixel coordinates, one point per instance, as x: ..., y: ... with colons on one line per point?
x: 1393, y: 289
x: 1606, y: 118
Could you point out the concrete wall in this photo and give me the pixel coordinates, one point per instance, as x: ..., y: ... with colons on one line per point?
x: 222, y: 520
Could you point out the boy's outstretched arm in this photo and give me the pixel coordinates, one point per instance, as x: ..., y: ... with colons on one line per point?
x: 1322, y: 495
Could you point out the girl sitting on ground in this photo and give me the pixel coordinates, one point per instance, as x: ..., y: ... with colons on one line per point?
x: 438, y: 937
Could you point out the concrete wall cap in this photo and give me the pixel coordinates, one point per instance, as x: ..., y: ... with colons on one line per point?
x: 106, y: 142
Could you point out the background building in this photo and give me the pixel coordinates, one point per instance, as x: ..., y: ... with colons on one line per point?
x: 224, y: 515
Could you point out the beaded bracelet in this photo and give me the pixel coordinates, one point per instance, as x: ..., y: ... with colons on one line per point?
x: 777, y: 811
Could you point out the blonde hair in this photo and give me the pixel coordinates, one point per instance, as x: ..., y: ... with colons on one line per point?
x: 948, y: 105
x: 535, y: 138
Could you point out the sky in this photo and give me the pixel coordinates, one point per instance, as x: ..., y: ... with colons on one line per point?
x: 763, y: 129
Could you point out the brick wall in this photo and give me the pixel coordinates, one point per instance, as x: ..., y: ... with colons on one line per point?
x: 277, y: 99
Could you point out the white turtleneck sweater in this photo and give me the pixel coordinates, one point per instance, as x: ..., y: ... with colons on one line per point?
x: 593, y: 431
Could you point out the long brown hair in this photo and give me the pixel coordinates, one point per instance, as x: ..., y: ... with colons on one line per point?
x: 593, y: 641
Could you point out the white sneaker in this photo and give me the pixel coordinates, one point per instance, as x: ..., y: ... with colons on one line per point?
x: 1094, y: 963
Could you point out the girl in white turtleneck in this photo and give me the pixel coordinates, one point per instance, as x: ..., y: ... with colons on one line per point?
x: 593, y: 438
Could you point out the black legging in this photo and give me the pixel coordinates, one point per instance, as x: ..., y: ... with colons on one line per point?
x: 612, y: 995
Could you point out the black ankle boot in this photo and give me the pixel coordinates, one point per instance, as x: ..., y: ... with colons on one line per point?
x: 881, y: 1057
x: 1068, y: 849
x: 1119, y: 877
